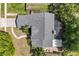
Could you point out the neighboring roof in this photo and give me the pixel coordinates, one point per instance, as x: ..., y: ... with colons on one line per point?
x: 42, y: 26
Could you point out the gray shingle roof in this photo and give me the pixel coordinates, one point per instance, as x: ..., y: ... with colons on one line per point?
x: 42, y: 26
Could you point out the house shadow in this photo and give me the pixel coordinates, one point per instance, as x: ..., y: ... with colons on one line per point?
x: 29, y: 42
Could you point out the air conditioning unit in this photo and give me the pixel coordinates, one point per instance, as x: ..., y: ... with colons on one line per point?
x: 57, y: 43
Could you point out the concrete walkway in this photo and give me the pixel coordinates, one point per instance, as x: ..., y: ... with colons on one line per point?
x: 20, y: 37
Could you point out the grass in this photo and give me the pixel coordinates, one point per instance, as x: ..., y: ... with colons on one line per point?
x: 20, y: 8
x: 39, y: 7
x: 71, y: 53
x: 16, y: 8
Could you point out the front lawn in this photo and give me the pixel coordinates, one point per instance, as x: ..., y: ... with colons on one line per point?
x: 21, y: 46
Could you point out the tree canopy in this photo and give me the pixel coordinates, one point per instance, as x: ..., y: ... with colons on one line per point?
x: 6, y: 46
x: 65, y: 13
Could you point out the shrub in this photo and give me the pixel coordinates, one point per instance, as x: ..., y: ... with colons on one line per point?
x: 6, y: 46
x: 38, y: 52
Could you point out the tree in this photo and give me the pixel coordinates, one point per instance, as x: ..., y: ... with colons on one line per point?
x: 38, y: 52
x: 6, y: 46
x: 65, y: 13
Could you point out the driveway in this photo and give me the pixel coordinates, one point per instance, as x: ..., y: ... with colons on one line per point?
x: 9, y: 22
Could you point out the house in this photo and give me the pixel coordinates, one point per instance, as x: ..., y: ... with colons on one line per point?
x: 45, y: 30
